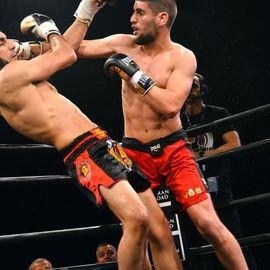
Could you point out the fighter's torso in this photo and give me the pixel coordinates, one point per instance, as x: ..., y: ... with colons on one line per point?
x: 39, y: 112
x: 142, y: 121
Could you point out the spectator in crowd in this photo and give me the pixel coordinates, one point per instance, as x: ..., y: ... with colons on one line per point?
x: 40, y: 264
x: 106, y: 252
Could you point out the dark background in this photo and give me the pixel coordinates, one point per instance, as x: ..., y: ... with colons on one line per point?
x: 231, y: 42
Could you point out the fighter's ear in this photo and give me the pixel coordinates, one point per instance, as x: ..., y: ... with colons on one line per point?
x: 163, y: 18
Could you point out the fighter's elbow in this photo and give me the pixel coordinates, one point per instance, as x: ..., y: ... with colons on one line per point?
x: 67, y: 57
x: 72, y: 57
x: 170, y: 111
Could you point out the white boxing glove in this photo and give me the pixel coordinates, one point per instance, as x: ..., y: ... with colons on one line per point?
x: 87, y: 9
x: 27, y: 50
x: 40, y: 25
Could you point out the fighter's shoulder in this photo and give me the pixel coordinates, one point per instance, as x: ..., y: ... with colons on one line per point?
x: 183, y: 55
x: 123, y: 39
x: 7, y: 70
x: 11, y: 70
x: 182, y: 51
x: 6, y: 78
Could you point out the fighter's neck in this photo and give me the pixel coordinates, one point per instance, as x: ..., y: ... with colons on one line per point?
x: 156, y: 46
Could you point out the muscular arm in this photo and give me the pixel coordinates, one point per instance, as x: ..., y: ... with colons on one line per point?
x: 100, y: 48
x: 169, y: 100
x: 43, y: 66
x: 73, y: 35
x: 97, y: 48
x: 78, y: 29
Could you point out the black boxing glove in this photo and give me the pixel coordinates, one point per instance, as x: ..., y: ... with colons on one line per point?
x: 128, y: 70
x: 40, y: 25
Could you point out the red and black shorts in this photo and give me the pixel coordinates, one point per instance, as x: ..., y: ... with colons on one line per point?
x: 94, y: 159
x: 170, y: 160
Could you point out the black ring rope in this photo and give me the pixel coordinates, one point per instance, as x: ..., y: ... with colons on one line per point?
x: 262, y: 239
x: 109, y: 266
x: 40, y: 178
x: 52, y: 178
x: 265, y: 197
x: 258, y: 145
x: 25, y: 146
x: 236, y: 118
x: 100, y: 229
x: 263, y: 144
x: 240, y: 117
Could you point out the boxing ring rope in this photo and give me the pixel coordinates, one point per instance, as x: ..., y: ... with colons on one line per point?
x: 38, y: 178
x: 265, y: 197
x: 108, y: 265
x: 232, y: 119
x: 60, y: 233
x: 255, y: 146
x: 117, y: 226
x: 17, y: 147
x: 261, y: 239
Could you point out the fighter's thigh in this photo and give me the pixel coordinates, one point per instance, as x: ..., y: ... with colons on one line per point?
x: 122, y: 199
x: 186, y: 180
x: 203, y: 213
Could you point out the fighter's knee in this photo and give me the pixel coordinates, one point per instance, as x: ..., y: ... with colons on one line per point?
x: 210, y: 228
x: 204, y: 224
x: 141, y: 218
x: 139, y: 221
x: 159, y: 227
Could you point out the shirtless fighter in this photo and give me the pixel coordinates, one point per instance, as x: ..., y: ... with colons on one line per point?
x: 157, y: 76
x: 162, y: 244
x: 95, y: 162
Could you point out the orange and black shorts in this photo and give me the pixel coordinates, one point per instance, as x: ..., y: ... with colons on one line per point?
x: 169, y: 159
x: 94, y: 159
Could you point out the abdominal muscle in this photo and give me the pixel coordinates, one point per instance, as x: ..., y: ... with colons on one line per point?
x: 146, y: 125
x: 45, y: 116
x: 147, y: 131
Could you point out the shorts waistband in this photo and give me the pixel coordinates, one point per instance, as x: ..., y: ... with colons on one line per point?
x: 82, y: 142
x: 156, y: 146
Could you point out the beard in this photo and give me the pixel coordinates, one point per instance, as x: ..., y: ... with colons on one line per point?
x: 3, y: 63
x: 147, y: 38
x: 144, y: 39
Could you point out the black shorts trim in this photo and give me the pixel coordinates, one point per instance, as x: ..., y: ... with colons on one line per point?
x: 155, y: 147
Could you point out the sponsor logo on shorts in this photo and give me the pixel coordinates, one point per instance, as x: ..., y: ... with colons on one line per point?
x: 99, y: 132
x: 85, y: 170
x: 192, y: 192
x: 118, y: 153
x: 155, y: 148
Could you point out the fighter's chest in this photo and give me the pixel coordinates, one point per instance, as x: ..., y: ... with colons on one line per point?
x: 158, y: 68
